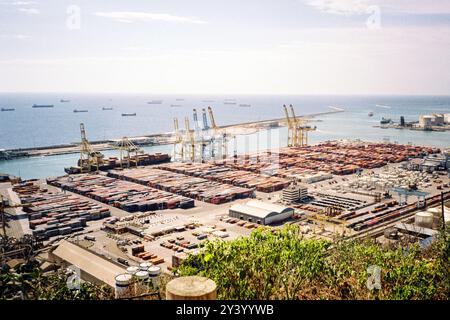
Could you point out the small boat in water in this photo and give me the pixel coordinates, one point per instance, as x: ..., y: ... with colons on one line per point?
x: 8, y: 109
x: 385, y: 120
x: 76, y: 110
x: 155, y: 102
x: 106, y: 108
x: 370, y: 114
x: 42, y: 106
x: 128, y: 114
x: 63, y: 101
x: 245, y: 105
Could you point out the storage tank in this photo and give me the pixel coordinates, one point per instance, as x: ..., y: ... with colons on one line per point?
x: 142, y: 282
x: 141, y: 275
x: 437, y: 211
x: 424, y: 219
x: 132, y: 270
x: 154, y: 273
x: 123, y: 282
x: 145, y: 265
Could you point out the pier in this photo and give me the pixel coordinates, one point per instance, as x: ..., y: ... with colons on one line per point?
x: 158, y: 138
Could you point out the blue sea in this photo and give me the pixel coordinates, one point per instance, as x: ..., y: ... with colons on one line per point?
x: 33, y: 127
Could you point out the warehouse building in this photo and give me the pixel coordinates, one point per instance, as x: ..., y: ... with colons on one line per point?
x: 93, y: 267
x: 261, y: 212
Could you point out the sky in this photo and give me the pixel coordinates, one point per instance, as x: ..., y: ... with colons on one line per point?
x: 222, y: 47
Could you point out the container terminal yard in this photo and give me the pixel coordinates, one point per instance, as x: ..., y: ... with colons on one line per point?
x: 156, y: 209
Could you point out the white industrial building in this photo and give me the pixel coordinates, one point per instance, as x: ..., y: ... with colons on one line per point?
x: 261, y: 212
x: 294, y: 193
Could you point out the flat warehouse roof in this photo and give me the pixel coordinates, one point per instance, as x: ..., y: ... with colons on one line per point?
x: 88, y: 262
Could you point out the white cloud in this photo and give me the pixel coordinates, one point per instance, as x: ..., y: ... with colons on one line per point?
x: 416, y: 6
x: 130, y: 17
x: 31, y: 11
x: 14, y: 36
x: 22, y: 3
x: 342, y: 7
x: 352, y: 7
x: 17, y: 3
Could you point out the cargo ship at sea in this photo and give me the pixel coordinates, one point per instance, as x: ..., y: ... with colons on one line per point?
x: 106, y: 108
x: 245, y: 105
x: 155, y: 102
x: 76, y: 111
x: 64, y: 101
x: 42, y: 106
x: 7, y: 109
x: 385, y: 120
x: 128, y: 114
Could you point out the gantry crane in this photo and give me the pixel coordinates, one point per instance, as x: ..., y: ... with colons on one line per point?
x: 178, y: 147
x: 205, y: 120
x: 297, y: 129
x: 189, y: 142
x: 291, y: 128
x: 301, y: 129
x: 219, y: 138
x: 127, y: 150
x: 88, y: 157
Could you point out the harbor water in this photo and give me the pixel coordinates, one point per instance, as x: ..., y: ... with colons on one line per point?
x: 34, y: 127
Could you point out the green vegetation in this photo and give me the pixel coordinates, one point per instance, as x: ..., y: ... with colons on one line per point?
x: 285, y: 266
x: 29, y: 283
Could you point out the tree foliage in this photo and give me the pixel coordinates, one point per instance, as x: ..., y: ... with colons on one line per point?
x: 30, y: 283
x: 286, y: 266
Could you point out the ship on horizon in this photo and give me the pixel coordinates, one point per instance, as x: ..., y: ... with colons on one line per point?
x: 42, y: 106
x: 155, y: 102
x: 63, y: 100
x: 76, y: 110
x: 385, y: 120
x: 129, y: 114
x: 7, y: 109
x: 107, y: 108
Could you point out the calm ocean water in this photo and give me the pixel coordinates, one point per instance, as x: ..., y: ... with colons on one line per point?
x: 29, y: 127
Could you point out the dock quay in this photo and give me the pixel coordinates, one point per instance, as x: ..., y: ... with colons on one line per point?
x: 349, y: 189
x: 154, y: 139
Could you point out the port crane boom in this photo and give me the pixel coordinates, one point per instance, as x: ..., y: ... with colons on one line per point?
x: 291, y: 128
x: 88, y: 157
x: 127, y: 149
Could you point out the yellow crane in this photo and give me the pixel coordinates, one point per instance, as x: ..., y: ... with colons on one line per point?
x: 189, y: 141
x: 178, y: 147
x: 301, y: 130
x: 88, y: 157
x: 291, y: 128
x: 219, y: 137
x: 128, y: 152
